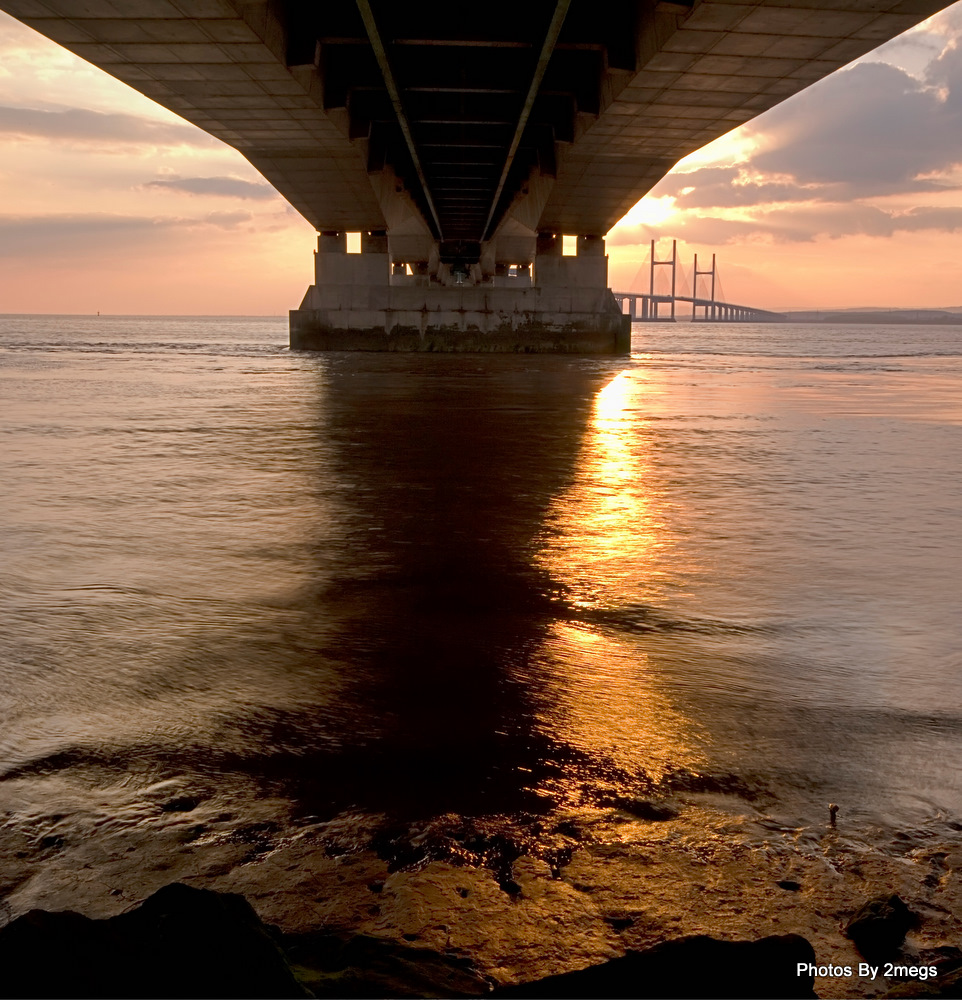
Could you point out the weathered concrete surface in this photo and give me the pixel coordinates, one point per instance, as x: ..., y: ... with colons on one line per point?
x: 483, y: 319
x: 358, y: 303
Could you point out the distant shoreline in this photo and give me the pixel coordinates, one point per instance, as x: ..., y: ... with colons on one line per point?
x: 906, y: 317
x: 888, y: 317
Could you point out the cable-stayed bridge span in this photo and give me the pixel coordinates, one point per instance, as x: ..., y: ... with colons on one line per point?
x: 671, y: 303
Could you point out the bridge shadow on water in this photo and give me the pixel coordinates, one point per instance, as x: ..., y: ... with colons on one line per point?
x: 428, y: 598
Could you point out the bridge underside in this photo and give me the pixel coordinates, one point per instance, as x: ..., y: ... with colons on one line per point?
x: 463, y: 140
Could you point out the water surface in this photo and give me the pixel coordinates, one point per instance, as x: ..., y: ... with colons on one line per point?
x: 389, y: 587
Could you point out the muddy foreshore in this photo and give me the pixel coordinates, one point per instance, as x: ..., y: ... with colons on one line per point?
x: 456, y: 906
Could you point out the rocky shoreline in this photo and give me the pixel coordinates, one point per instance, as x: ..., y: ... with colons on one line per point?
x: 188, y: 942
x: 639, y: 896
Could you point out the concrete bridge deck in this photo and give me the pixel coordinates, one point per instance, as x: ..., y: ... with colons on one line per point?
x: 646, y: 308
x: 464, y: 140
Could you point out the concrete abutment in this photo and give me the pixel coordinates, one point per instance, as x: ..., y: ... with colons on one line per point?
x: 541, y: 302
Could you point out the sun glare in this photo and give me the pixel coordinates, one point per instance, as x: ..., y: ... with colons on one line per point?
x: 736, y: 146
x: 650, y: 212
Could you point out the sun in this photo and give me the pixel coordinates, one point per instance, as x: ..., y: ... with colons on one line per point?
x: 650, y: 211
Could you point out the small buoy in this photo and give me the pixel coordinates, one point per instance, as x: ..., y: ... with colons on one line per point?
x: 832, y: 813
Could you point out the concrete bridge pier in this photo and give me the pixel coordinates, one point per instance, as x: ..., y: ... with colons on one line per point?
x: 519, y: 293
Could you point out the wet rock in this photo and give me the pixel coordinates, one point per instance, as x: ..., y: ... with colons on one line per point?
x: 949, y: 985
x: 184, y: 803
x: 364, y: 966
x: 181, y: 942
x: 879, y: 927
x: 650, y: 809
x: 947, y: 982
x: 619, y: 921
x: 689, y: 967
x: 945, y: 958
x: 558, y: 859
x: 683, y: 780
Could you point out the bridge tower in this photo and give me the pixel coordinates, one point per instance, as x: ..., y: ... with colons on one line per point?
x: 710, y: 304
x: 654, y: 301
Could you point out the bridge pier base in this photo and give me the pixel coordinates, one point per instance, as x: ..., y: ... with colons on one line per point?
x: 366, y: 302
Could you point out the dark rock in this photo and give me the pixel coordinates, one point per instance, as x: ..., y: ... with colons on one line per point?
x: 618, y: 921
x: 689, y: 967
x: 880, y: 926
x: 364, y: 967
x: 181, y: 942
x: 180, y: 805
x: 57, y: 955
x: 558, y: 859
x: 789, y: 884
x: 720, y: 784
x: 949, y: 985
x: 945, y: 957
x: 649, y: 809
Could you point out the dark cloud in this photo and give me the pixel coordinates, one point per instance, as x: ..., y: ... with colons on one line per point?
x: 730, y: 187
x: 868, y: 132
x: 22, y: 236
x: 872, y: 129
x: 796, y: 224
x: 227, y: 220
x: 60, y: 236
x: 97, y: 127
x: 228, y: 187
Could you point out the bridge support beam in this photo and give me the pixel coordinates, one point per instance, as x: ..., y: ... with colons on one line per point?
x: 369, y: 302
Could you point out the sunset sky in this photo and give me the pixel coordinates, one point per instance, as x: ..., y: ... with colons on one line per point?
x: 848, y: 194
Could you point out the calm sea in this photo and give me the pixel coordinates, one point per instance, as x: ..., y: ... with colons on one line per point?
x: 319, y: 586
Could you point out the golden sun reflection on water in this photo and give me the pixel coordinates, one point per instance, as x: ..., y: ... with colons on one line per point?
x: 606, y: 700
x: 608, y: 546
x: 608, y: 538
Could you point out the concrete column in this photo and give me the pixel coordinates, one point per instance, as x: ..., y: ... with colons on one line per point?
x: 591, y: 246
x: 548, y: 245
x: 331, y: 241
x: 375, y: 242
x: 330, y: 260
x: 334, y: 266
